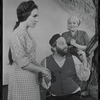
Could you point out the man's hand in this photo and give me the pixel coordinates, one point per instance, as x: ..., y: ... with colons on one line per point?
x: 82, y: 57
x: 82, y: 54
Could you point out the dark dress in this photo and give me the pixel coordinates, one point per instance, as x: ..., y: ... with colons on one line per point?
x: 81, y: 38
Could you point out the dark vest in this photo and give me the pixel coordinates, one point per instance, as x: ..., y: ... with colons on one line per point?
x: 63, y: 79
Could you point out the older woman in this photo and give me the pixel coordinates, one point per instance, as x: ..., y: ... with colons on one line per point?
x: 23, y: 83
x: 75, y: 37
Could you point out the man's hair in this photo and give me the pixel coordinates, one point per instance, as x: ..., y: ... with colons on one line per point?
x: 54, y: 45
x: 54, y: 38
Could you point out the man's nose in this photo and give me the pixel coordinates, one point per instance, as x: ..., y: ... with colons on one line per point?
x: 36, y: 19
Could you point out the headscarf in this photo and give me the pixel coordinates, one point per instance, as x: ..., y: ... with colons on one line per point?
x: 76, y: 18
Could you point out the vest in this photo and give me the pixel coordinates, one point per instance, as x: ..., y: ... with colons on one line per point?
x: 63, y: 79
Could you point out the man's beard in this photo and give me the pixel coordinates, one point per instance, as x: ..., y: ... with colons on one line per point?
x: 62, y: 52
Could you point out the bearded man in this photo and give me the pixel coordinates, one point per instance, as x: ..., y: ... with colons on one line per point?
x: 65, y: 70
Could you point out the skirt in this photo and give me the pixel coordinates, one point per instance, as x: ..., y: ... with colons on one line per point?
x: 23, y: 85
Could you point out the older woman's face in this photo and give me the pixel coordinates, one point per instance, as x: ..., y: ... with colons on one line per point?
x: 72, y: 24
x: 33, y: 18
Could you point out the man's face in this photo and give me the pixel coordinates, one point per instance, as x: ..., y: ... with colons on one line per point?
x: 61, y: 46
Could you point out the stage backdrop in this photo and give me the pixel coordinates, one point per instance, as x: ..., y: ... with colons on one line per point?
x: 52, y: 19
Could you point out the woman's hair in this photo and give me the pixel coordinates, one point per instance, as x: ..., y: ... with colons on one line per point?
x: 76, y: 18
x: 23, y: 12
x: 10, y: 57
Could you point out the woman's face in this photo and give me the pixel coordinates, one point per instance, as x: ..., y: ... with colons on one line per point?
x: 33, y: 18
x: 72, y: 24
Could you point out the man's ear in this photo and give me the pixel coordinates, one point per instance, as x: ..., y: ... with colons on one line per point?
x: 54, y: 48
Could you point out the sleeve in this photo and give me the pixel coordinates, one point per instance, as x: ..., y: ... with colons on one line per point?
x: 82, y: 72
x: 33, y: 51
x: 18, y: 51
x: 86, y: 38
x: 45, y: 83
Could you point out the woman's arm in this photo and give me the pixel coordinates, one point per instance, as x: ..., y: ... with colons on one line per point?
x: 33, y: 68
x: 85, y: 40
x: 35, y: 62
x: 73, y: 42
x: 82, y: 47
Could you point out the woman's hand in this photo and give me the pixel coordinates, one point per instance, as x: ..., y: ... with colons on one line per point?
x: 46, y: 73
x: 73, y: 42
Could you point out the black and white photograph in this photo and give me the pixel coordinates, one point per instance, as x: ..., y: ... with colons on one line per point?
x: 50, y: 50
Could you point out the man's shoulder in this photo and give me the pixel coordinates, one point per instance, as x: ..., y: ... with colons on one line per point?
x: 45, y: 60
x: 47, y: 57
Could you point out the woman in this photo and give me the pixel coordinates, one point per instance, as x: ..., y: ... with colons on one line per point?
x: 23, y: 83
x: 76, y: 39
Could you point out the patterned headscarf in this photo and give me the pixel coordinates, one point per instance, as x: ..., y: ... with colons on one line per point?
x: 76, y: 18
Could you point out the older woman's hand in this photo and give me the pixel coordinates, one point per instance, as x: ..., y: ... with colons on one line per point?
x: 73, y: 42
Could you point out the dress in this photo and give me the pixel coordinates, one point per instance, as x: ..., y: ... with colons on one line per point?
x: 23, y: 84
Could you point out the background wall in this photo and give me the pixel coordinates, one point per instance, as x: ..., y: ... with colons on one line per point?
x: 52, y: 20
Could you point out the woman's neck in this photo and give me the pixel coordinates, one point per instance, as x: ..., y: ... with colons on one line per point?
x: 73, y: 32
x: 23, y: 26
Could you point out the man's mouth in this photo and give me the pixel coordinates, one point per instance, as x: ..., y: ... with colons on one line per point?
x: 65, y: 49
